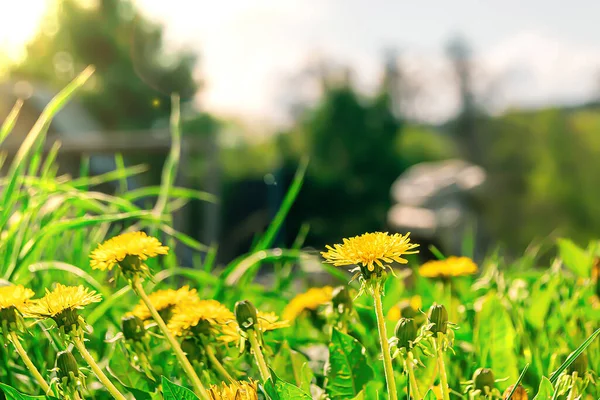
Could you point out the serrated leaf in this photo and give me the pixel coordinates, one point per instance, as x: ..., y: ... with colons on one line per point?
x: 496, y: 337
x: 545, y: 391
x: 347, y: 369
x: 13, y: 394
x: 293, y: 367
x: 172, y: 391
x: 575, y: 258
x: 278, y: 389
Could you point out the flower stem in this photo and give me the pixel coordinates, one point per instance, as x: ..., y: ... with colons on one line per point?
x: 258, y: 355
x: 411, y: 377
x: 14, y: 338
x: 217, y: 364
x: 183, y: 361
x: 385, y: 347
x: 442, y: 368
x: 78, y: 342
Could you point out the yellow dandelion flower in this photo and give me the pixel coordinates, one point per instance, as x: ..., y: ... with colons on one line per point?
x: 13, y: 299
x: 14, y: 296
x: 239, y: 390
x: 61, y: 305
x: 370, y: 249
x: 407, y: 308
x: 451, y: 266
x: 204, y: 315
x: 269, y: 321
x: 165, y: 302
x: 128, y: 250
x: 310, y: 300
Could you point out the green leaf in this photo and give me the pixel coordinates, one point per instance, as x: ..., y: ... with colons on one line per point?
x: 282, y: 390
x: 293, y: 367
x: 430, y: 395
x: 496, y: 337
x: 172, y: 391
x: 13, y: 394
x: 575, y: 258
x: 347, y: 370
x: 120, y: 368
x: 545, y: 391
x: 541, y: 297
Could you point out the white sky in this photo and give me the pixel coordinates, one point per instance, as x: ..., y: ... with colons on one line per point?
x: 529, y: 53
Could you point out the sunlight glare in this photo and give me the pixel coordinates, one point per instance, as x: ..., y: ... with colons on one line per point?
x: 19, y: 21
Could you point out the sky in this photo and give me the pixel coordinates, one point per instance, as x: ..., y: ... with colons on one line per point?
x: 529, y: 54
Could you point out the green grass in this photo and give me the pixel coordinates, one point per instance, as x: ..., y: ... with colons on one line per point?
x: 526, y: 320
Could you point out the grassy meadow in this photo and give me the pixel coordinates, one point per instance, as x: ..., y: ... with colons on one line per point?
x: 93, y: 304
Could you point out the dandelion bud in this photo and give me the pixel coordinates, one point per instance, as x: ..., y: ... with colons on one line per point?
x: 133, y: 328
x: 482, y: 378
x: 67, y: 367
x: 246, y: 314
x: 406, y: 332
x: 580, y: 365
x: 8, y: 315
x: 341, y: 299
x: 439, y: 317
x: 519, y: 394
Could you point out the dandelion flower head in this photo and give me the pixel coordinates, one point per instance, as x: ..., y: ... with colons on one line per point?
x: 14, y: 296
x: 136, y: 245
x: 62, y: 305
x: 165, y: 302
x: 204, y: 312
x: 238, y: 390
x: 310, y: 300
x: 370, y: 249
x: 451, y: 266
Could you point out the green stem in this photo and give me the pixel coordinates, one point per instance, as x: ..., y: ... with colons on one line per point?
x: 183, y: 361
x: 385, y: 347
x: 416, y: 393
x: 14, y: 338
x: 258, y: 355
x: 78, y: 342
x: 217, y: 364
x: 442, y: 367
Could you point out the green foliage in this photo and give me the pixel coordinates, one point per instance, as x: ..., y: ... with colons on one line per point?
x: 515, y: 314
x: 496, y: 336
x: 278, y: 389
x: 348, y: 370
x: 172, y: 391
x: 134, y: 77
x: 12, y: 394
x: 545, y: 391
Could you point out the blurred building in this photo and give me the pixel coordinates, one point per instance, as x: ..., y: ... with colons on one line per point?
x: 73, y: 126
x: 437, y: 203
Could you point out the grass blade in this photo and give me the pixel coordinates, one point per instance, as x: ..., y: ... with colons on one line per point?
x: 517, y: 382
x: 11, y: 191
x: 11, y: 120
x: 169, y: 172
x: 573, y: 356
x: 268, y: 238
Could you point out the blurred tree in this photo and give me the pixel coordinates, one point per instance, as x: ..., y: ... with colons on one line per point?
x: 134, y: 74
x: 352, y: 142
x: 464, y: 126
